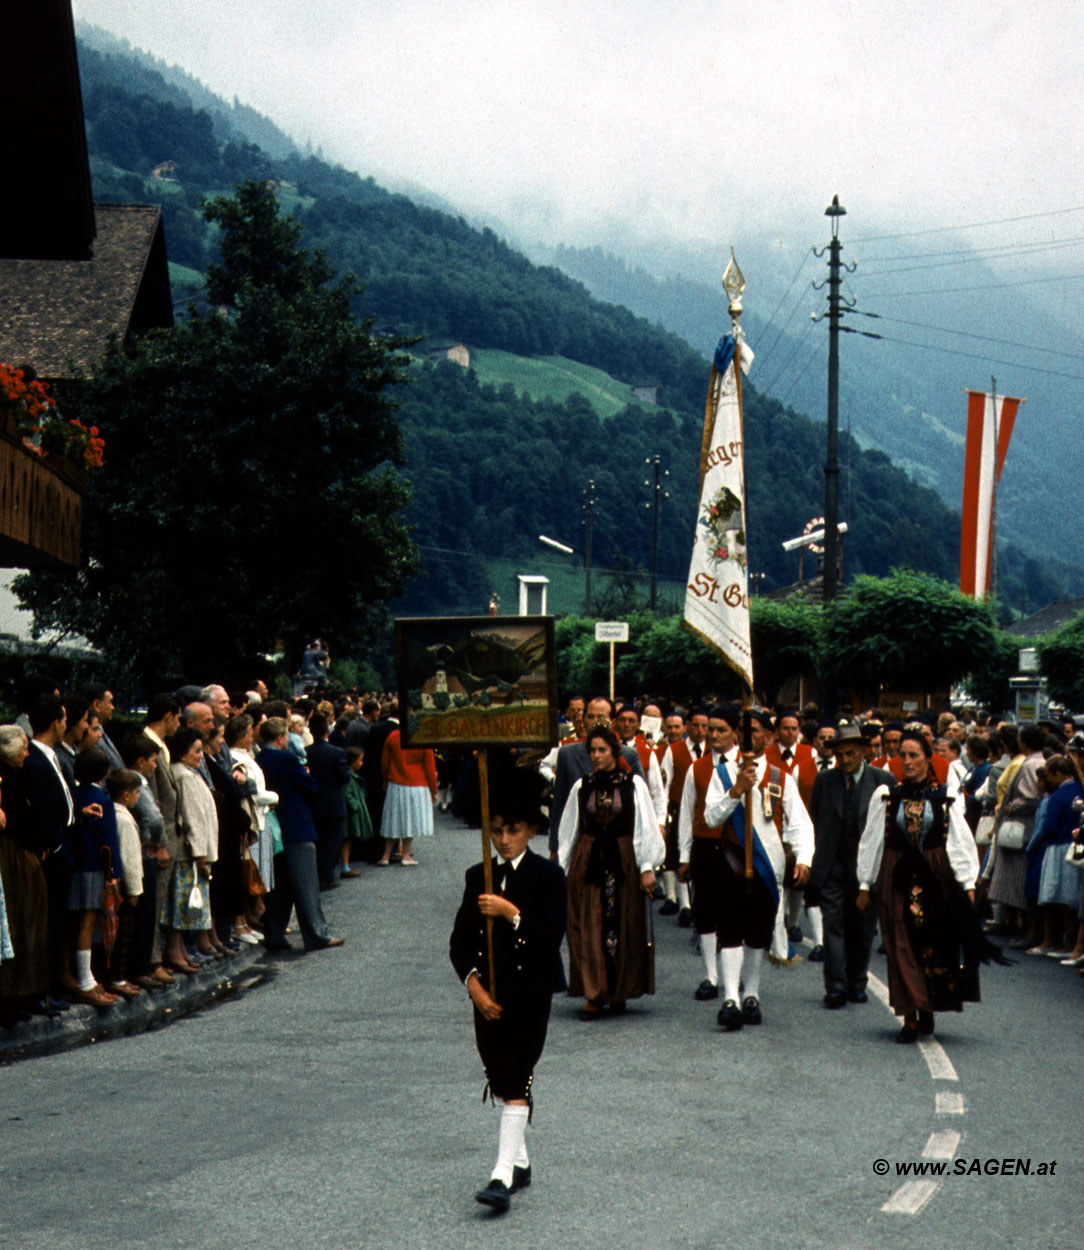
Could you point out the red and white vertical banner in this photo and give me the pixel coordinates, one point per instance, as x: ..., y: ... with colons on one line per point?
x: 717, y: 592
x: 989, y: 427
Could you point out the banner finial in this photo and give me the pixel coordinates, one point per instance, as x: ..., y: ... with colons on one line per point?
x: 734, y: 285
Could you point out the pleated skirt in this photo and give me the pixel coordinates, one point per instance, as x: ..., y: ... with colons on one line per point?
x: 1008, y: 883
x: 408, y: 812
x: 1059, y: 884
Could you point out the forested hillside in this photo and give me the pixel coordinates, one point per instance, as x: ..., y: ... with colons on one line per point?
x: 491, y: 469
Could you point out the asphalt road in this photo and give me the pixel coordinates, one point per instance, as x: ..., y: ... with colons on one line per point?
x: 339, y: 1105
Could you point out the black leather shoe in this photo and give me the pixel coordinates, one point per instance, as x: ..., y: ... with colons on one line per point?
x: 730, y: 1016
x: 669, y: 908
x: 925, y: 1022
x: 794, y: 933
x: 496, y: 1195
x: 685, y: 918
x: 835, y: 999
x: 750, y: 1010
x: 906, y: 1036
x: 521, y: 1178
x: 705, y: 990
x: 857, y: 996
x: 816, y: 955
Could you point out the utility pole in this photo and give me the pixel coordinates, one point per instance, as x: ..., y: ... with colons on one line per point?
x: 589, y: 508
x: 657, y: 496
x: 835, y: 211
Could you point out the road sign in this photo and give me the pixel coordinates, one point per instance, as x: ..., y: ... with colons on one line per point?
x: 611, y: 631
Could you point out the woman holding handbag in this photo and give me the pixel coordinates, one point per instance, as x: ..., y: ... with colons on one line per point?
x: 186, y: 907
x: 1008, y: 864
x: 1058, y: 889
x: 257, y: 864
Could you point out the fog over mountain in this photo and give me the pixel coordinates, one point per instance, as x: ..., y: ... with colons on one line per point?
x: 665, y: 134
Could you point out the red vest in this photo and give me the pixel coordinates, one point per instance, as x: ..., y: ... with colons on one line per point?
x: 802, y: 767
x: 682, y: 760
x: 702, y: 770
x: 643, y: 751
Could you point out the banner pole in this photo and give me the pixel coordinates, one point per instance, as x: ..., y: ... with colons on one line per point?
x: 487, y: 861
x: 746, y: 755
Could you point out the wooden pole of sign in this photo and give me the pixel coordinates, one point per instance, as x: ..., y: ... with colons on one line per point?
x: 611, y: 670
x: 487, y: 862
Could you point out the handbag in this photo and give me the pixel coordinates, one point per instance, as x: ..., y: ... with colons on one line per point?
x: 195, y: 894
x: 109, y: 916
x: 1012, y: 835
x: 984, y: 829
x: 1074, y: 855
x: 251, y: 877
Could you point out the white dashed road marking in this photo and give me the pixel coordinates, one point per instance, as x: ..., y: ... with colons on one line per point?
x: 942, y: 1145
x: 937, y: 1061
x: 911, y: 1197
x: 948, y: 1102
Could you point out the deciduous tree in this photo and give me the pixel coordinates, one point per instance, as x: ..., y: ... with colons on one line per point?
x: 249, y: 492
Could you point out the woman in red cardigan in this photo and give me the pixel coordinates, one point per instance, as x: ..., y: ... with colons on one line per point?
x: 410, y: 783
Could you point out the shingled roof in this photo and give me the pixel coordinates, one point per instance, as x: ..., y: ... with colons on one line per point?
x: 1047, y: 619
x: 57, y: 315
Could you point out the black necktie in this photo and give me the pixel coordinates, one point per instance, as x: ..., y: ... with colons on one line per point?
x: 696, y: 750
x: 822, y: 765
x: 850, y: 783
x: 787, y: 755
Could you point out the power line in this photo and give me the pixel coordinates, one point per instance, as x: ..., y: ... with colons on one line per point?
x: 797, y: 273
x: 974, y: 225
x: 986, y: 338
x: 543, y: 564
x: 970, y: 251
x: 989, y: 286
x: 786, y: 364
x: 1011, y: 364
x: 974, y: 259
x: 801, y: 372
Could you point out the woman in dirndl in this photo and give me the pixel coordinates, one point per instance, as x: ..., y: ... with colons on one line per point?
x: 917, y: 848
x: 609, y: 844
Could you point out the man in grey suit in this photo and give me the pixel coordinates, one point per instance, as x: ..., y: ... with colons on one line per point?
x: 838, y: 807
x: 573, y: 763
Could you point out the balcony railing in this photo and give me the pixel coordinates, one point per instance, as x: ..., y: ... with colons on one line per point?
x: 41, y: 506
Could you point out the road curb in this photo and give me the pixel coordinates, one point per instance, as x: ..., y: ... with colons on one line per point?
x: 84, y: 1024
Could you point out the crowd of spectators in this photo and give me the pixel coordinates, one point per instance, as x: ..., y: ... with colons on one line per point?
x: 129, y: 859
x: 132, y: 857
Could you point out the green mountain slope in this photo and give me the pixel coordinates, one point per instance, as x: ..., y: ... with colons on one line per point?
x: 554, y: 377
x: 492, y: 469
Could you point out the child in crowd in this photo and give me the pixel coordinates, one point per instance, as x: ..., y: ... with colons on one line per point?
x: 97, y: 860
x: 123, y: 785
x: 358, y: 823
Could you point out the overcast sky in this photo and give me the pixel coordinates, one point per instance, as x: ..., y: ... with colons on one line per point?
x: 693, y: 119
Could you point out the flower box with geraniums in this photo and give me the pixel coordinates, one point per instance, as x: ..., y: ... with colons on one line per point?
x: 30, y: 414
